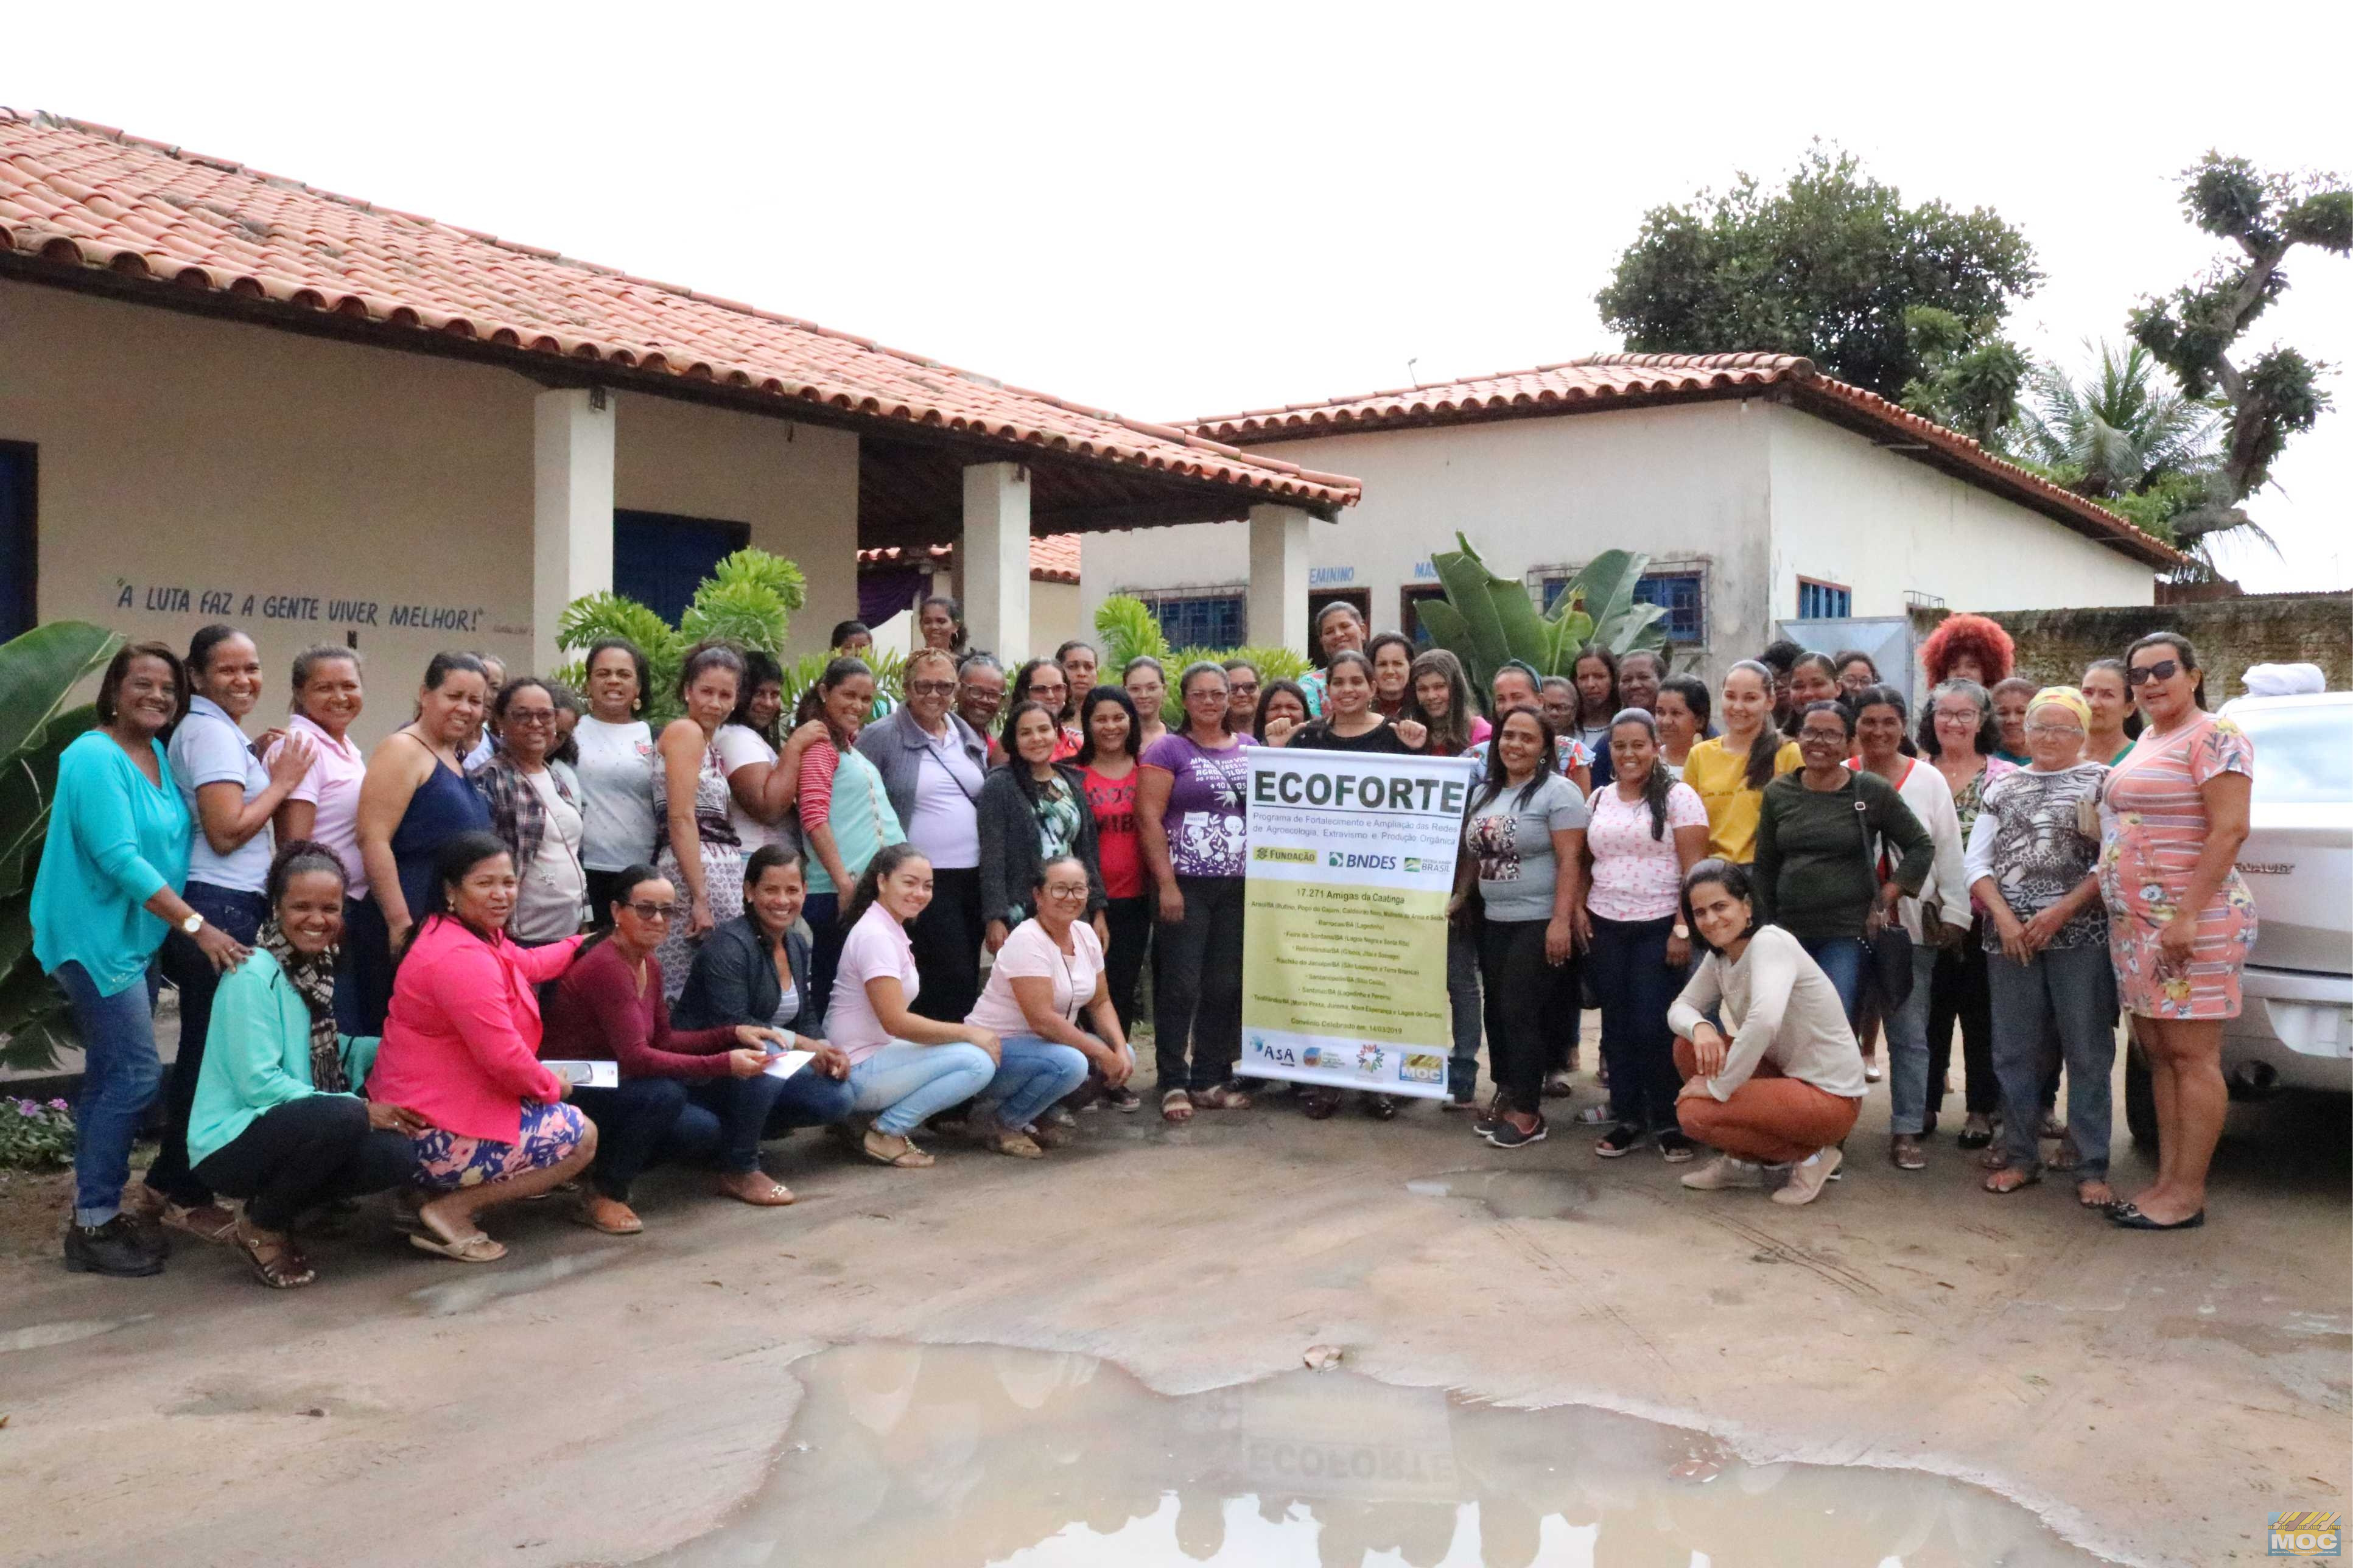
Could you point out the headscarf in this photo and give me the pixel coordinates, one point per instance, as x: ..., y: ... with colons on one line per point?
x: 2066, y: 696
x: 314, y: 978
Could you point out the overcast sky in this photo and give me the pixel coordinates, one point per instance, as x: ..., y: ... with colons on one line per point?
x: 1174, y: 211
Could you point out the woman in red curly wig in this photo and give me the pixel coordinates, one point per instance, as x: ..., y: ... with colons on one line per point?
x: 1967, y: 647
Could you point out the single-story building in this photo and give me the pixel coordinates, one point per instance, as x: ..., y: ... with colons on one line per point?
x: 1763, y: 491
x: 226, y: 396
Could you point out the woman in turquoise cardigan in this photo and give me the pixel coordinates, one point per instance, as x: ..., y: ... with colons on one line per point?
x: 108, y: 890
x: 278, y: 1120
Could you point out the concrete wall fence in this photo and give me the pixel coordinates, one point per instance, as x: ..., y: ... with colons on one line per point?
x: 2053, y: 646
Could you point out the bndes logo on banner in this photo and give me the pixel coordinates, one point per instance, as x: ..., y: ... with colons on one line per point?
x: 1350, y: 861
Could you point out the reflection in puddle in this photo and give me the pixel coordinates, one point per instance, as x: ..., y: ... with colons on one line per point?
x: 41, y: 1336
x: 488, y: 1282
x: 971, y: 1456
x: 1512, y: 1195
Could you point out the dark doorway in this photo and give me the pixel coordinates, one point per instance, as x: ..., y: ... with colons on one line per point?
x: 659, y: 559
x: 20, y: 539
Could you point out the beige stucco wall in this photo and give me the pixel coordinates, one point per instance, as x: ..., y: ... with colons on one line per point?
x: 1849, y: 512
x: 1688, y: 485
x: 1055, y: 616
x: 194, y: 470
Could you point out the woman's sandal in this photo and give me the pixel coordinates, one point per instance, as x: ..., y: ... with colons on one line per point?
x: 1319, y: 1104
x: 609, y: 1217
x: 2010, y: 1178
x: 899, y: 1153
x: 1176, y: 1108
x: 476, y: 1248
x: 1974, y: 1137
x: 1009, y: 1141
x: 755, y: 1188
x: 1993, y: 1160
x: 1225, y: 1096
x: 2065, y: 1157
x: 2106, y: 1205
x: 276, y: 1264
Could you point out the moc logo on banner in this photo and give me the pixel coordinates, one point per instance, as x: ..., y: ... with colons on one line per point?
x: 2306, y: 1532
x: 1351, y: 862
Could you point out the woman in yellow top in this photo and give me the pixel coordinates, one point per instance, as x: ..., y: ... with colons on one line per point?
x: 1730, y: 772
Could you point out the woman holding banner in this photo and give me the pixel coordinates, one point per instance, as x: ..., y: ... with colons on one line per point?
x: 1190, y: 822
x: 1522, y: 850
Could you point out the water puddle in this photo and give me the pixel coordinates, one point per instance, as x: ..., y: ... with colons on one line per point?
x: 486, y: 1283
x: 1513, y: 1194
x: 970, y: 1455
x: 41, y: 1336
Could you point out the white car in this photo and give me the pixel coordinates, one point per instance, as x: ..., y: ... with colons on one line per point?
x: 2295, y: 1027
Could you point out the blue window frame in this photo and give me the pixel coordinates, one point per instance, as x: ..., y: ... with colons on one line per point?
x: 659, y: 559
x: 20, y: 552
x: 1823, y: 601
x: 1200, y: 620
x: 1682, y: 592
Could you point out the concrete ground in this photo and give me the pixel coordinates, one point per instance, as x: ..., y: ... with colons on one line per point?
x: 592, y: 1400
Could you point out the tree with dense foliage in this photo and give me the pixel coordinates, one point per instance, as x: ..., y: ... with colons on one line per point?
x: 2194, y: 332
x: 1834, y: 267
x: 2121, y: 436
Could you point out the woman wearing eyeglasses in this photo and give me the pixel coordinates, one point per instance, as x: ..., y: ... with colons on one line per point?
x: 2180, y: 922
x: 536, y: 811
x: 933, y: 768
x: 690, y: 1095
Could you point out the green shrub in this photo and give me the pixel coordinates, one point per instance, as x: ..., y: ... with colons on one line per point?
x: 33, y: 1136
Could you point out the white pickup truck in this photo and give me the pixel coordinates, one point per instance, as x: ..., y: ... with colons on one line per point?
x: 2295, y: 1027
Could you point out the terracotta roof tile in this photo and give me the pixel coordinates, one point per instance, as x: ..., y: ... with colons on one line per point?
x: 1053, y: 557
x: 1603, y: 381
x: 76, y: 195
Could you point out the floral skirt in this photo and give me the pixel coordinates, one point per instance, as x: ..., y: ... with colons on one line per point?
x: 2207, y: 987
x: 723, y: 884
x: 446, y: 1162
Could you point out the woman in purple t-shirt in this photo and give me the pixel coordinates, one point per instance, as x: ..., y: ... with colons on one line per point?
x: 1188, y: 817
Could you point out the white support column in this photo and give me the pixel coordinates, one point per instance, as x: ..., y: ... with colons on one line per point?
x: 996, y: 558
x: 1277, y: 606
x: 571, y: 509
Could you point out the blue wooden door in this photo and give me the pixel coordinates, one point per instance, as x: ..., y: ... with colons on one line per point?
x: 20, y: 552
x: 659, y: 559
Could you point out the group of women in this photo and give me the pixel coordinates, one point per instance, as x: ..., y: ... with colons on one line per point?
x: 764, y: 928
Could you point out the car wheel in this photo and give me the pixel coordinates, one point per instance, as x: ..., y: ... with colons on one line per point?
x: 2140, y: 1101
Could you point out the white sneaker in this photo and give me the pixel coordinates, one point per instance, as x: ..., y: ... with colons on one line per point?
x: 1723, y: 1174
x: 1807, y: 1176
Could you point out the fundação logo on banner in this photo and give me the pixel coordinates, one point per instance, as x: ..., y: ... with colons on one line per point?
x: 1343, y: 974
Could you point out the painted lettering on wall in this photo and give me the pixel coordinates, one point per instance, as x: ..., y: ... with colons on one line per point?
x: 248, y: 605
x: 1423, y: 571
x: 1330, y: 576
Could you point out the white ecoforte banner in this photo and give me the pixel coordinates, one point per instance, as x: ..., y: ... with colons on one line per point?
x: 1351, y: 861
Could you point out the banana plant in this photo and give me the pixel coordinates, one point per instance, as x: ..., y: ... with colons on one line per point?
x: 40, y: 672
x: 1488, y: 621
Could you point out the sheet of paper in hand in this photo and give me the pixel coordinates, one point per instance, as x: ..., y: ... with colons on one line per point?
x: 784, y: 1064
x: 587, y: 1074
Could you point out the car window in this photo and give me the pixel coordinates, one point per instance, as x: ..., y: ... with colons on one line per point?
x: 2303, y: 755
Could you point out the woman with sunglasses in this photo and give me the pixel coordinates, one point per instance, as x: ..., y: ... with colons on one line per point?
x: 2180, y: 922
x: 685, y: 1095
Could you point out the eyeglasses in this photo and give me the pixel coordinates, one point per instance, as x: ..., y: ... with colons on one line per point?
x: 2054, y: 729
x: 1071, y: 893
x: 931, y: 687
x: 2163, y: 670
x: 531, y: 716
x: 653, y: 912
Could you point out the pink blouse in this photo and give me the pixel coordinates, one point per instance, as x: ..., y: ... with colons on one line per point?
x: 461, y: 1045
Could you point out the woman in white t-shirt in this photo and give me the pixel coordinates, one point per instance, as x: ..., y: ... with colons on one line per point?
x: 904, y: 1066
x: 616, y: 769
x: 1647, y: 829
x: 1049, y: 972
x: 760, y: 797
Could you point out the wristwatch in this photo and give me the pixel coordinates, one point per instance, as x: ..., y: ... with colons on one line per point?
x: 193, y: 924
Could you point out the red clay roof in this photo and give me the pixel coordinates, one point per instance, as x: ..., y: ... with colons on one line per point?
x: 77, y: 196
x: 1053, y: 557
x: 1599, y: 382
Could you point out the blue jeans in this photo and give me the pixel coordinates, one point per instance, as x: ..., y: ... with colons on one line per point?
x: 121, y: 1073
x: 1841, y: 958
x: 192, y: 974
x: 1907, y: 1047
x: 1635, y: 986
x: 823, y: 913
x: 2073, y: 990
x: 648, y: 1121
x: 1033, y: 1075
x: 905, y: 1083
x: 1462, y: 1001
